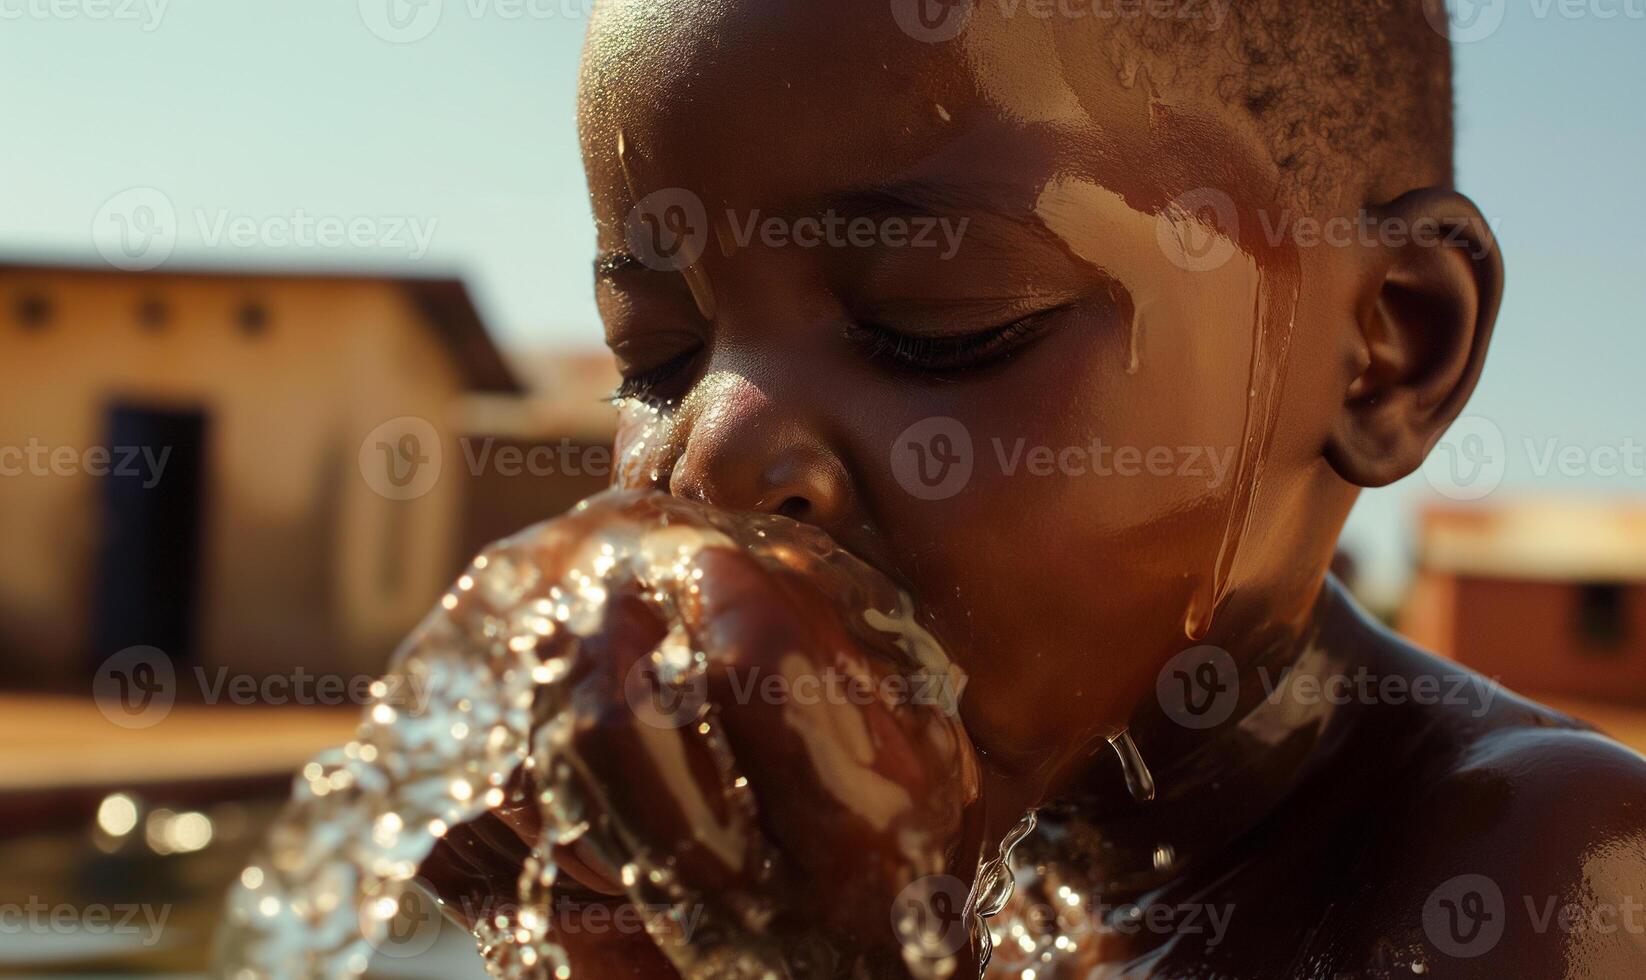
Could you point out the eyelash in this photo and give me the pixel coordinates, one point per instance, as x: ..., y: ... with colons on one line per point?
x: 956, y: 352
x: 645, y: 385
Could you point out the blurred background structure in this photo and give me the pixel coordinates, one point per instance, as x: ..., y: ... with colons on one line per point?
x: 1546, y: 596
x: 252, y: 537
x: 329, y: 264
x: 227, y: 494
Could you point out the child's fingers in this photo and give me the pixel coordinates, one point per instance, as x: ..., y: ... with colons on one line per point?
x: 643, y: 764
x: 808, y: 714
x: 603, y: 936
x: 475, y: 869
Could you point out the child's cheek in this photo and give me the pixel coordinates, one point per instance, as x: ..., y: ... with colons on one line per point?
x: 1208, y: 343
x: 1116, y: 467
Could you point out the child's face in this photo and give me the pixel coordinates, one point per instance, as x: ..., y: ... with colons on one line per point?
x: 1115, y: 430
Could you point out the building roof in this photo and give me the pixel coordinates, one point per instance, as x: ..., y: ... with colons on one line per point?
x: 1569, y: 540
x: 444, y: 300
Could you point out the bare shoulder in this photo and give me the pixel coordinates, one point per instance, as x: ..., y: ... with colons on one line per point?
x: 1523, y: 854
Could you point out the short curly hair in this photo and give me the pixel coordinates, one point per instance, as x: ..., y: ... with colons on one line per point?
x: 1336, y: 86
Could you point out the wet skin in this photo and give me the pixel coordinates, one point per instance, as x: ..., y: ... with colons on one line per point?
x: 783, y: 376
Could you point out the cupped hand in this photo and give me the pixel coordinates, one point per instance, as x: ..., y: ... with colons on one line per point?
x: 750, y: 747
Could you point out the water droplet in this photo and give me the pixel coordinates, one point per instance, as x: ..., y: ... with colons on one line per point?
x: 1139, y: 781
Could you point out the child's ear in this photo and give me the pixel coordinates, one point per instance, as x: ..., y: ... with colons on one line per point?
x: 1428, y: 298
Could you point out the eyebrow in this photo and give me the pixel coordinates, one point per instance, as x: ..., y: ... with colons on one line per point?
x: 925, y: 197
x: 611, y: 265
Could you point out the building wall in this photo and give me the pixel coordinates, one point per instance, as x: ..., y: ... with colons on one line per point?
x: 291, y: 528
x: 1539, y: 638
x: 498, y: 504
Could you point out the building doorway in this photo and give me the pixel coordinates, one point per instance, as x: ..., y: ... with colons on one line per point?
x: 152, y: 501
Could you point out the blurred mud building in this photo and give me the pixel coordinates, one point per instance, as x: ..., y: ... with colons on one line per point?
x: 1547, y: 596
x: 259, y: 470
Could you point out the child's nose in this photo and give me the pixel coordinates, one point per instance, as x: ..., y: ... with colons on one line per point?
x: 744, y: 452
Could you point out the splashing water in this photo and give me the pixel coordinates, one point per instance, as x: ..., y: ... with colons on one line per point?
x: 492, y: 663
x: 996, y: 883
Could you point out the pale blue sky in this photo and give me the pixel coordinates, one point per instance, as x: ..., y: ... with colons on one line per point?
x: 247, y: 107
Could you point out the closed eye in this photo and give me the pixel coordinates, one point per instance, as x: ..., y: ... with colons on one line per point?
x: 657, y: 385
x: 950, y: 352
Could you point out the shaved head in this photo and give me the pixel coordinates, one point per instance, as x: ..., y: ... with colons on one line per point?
x: 1338, y: 87
x: 1351, y: 99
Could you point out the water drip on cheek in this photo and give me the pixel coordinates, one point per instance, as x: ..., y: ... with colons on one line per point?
x: 697, y: 280
x: 1174, y: 283
x: 1273, y: 319
x: 1134, y: 347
